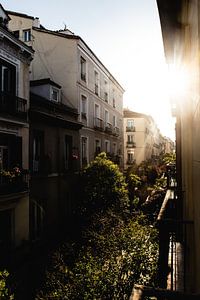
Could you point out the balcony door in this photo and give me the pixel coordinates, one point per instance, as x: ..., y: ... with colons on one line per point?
x: 7, y: 86
x: 4, y: 157
x: 7, y: 77
x: 10, y: 151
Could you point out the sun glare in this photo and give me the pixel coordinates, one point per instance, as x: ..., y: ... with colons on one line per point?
x: 178, y: 82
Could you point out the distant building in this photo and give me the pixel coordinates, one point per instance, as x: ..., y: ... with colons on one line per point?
x: 87, y: 85
x: 15, y: 58
x: 168, y: 145
x: 142, y: 138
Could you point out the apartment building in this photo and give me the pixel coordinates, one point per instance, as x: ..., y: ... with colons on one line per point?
x: 15, y: 59
x: 142, y: 138
x: 180, y: 29
x: 87, y: 85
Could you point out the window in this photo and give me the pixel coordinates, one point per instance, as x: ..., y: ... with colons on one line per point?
x: 114, y: 149
x: 16, y: 33
x: 37, y: 218
x: 54, y: 94
x: 83, y: 69
x: 68, y: 152
x: 106, y: 117
x: 98, y: 123
x: 27, y: 35
x: 7, y: 78
x: 97, y: 111
x: 130, y: 157
x: 114, y: 104
x: 97, y: 146
x: 130, y: 138
x: 113, y: 99
x: 106, y: 92
x: 10, y: 151
x: 4, y: 158
x: 96, y: 80
x: 83, y: 106
x: 38, y: 150
x: 114, y: 121
x: 84, y: 151
x: 130, y: 123
x: 107, y: 146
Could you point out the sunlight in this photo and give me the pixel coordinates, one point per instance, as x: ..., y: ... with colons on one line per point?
x: 178, y: 82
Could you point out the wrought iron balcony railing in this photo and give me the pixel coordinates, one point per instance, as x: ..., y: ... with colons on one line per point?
x: 130, y: 128
x: 108, y: 128
x: 12, y: 182
x: 13, y: 105
x: 116, y: 131
x: 98, y: 124
x: 130, y: 144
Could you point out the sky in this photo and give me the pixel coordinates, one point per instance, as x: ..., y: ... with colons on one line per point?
x: 125, y: 36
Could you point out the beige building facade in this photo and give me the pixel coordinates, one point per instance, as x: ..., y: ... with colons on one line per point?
x: 142, y: 138
x: 15, y: 59
x: 86, y: 83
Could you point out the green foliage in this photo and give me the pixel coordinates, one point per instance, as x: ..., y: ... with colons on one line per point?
x: 116, y: 248
x: 108, y: 265
x: 4, y: 290
x: 103, y: 188
x: 134, y: 183
x: 169, y: 158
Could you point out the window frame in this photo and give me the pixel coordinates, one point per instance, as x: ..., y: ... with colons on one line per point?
x: 27, y: 35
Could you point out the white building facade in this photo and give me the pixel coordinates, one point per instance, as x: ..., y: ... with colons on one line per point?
x: 86, y: 83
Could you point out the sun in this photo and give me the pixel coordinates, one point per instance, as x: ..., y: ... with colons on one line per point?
x: 178, y: 82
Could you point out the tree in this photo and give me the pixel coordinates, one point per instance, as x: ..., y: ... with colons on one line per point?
x: 103, y: 189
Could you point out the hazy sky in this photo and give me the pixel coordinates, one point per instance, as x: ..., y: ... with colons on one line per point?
x: 126, y: 37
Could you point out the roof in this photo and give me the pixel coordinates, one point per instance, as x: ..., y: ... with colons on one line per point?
x: 6, y: 13
x: 132, y: 114
x: 10, y: 36
x: 44, y: 81
x: 67, y: 36
x: 76, y: 37
x: 19, y: 14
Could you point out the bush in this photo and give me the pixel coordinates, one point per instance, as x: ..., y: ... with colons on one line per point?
x: 5, y: 293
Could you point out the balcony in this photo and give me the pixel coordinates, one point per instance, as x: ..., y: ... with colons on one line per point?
x: 13, y: 105
x: 13, y: 182
x: 130, y: 144
x: 130, y: 161
x: 108, y: 128
x: 116, y: 131
x: 130, y: 128
x: 98, y: 124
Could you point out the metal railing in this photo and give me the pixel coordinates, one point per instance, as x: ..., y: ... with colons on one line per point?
x: 13, y: 105
x: 116, y: 131
x: 98, y: 123
x: 11, y: 182
x: 141, y: 292
x: 130, y: 128
x: 108, y: 128
x: 130, y: 144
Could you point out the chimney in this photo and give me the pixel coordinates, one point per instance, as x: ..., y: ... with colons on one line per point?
x: 36, y: 22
